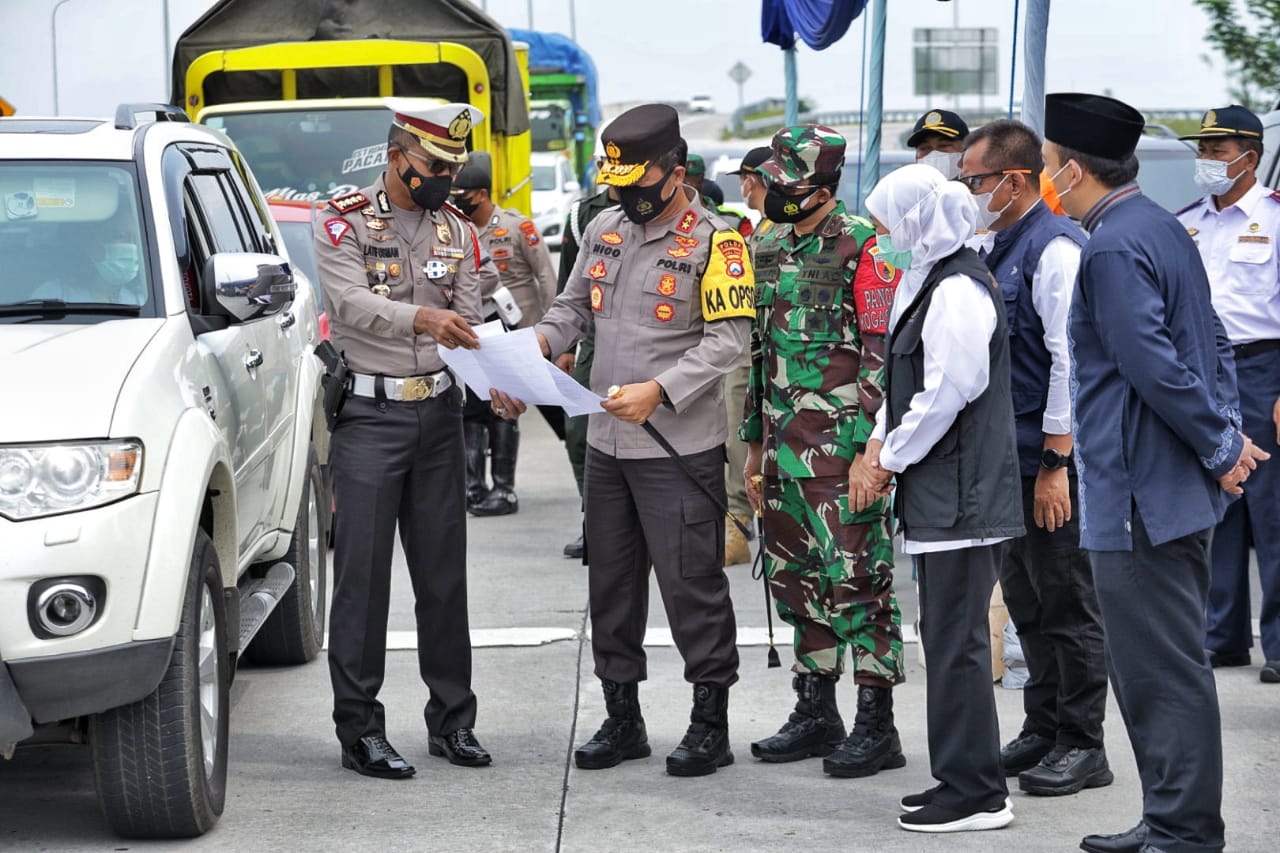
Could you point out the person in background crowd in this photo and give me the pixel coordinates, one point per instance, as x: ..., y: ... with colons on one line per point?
x: 938, y: 139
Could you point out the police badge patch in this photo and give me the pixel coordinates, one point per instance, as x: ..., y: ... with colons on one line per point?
x: 435, y: 269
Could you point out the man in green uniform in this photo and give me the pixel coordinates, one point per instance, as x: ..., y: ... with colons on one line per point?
x: 817, y: 379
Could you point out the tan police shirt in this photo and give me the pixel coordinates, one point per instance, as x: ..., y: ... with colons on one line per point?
x: 672, y: 300
x: 522, y: 260
x: 378, y: 264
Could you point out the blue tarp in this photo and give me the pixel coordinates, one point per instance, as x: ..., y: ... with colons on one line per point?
x: 819, y: 23
x: 552, y: 50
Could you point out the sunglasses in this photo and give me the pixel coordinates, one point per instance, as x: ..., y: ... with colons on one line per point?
x: 975, y: 181
x: 434, y: 165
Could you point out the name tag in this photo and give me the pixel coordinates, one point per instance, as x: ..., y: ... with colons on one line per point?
x: 1254, y: 238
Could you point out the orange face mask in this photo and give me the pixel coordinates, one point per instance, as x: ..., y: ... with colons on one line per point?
x: 1050, y: 195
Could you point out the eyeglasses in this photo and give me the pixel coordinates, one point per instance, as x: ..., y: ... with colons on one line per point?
x: 435, y: 166
x: 975, y: 181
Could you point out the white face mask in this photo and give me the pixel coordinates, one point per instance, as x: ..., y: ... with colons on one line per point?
x: 946, y: 162
x: 120, y: 263
x: 1054, y: 181
x: 1211, y: 175
x: 986, y: 216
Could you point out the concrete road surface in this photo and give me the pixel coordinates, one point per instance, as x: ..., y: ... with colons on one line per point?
x: 538, y: 698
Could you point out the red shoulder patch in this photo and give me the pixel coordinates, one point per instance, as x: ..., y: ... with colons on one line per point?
x: 336, y: 228
x: 348, y: 203
x: 874, y: 283
x: 531, y: 235
x: 688, y: 219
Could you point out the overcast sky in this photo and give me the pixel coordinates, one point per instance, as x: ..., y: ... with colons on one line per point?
x: 1149, y: 53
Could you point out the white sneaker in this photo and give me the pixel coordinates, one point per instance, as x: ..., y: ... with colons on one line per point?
x: 932, y: 818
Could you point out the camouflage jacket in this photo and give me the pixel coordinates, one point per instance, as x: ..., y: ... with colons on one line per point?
x: 817, y: 345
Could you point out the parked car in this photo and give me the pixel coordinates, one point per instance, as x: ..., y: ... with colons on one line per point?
x: 162, y: 504
x: 555, y: 189
x: 701, y: 104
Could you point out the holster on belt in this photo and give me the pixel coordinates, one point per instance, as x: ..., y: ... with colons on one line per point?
x: 334, y: 381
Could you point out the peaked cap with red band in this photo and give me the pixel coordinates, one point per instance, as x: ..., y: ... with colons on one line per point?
x: 441, y: 129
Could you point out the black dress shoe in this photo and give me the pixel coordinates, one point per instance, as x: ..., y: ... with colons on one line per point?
x: 1223, y: 659
x: 1130, y: 841
x: 574, y: 549
x: 1067, y: 770
x: 1024, y: 752
x: 460, y: 747
x: 373, y: 756
x: 1270, y: 672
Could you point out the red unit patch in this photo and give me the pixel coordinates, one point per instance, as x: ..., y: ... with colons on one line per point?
x: 664, y: 311
x: 597, y: 297
x: 688, y: 219
x: 530, y: 230
x: 500, y: 232
x: 874, y: 283
x: 613, y: 238
x: 667, y: 285
x: 598, y: 270
x: 336, y: 227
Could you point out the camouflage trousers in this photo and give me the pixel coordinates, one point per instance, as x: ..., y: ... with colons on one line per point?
x: 831, y: 574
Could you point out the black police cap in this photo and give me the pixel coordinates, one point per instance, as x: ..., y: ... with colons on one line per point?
x: 1234, y: 120
x: 752, y: 159
x: 634, y: 140
x: 476, y: 175
x: 942, y: 122
x: 1092, y: 124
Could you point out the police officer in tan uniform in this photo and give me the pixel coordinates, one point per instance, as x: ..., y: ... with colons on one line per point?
x: 527, y: 281
x: 670, y: 289
x: 401, y: 277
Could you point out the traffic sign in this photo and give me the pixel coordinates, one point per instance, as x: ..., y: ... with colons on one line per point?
x: 739, y: 73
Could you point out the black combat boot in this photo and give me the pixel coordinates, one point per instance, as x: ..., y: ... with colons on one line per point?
x: 706, y: 744
x: 873, y: 744
x: 476, y: 438
x: 504, y: 442
x: 622, y: 736
x: 814, y: 727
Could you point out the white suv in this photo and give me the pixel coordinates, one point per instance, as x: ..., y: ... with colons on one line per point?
x: 162, y: 501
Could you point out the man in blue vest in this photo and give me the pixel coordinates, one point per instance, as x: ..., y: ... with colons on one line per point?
x: 1045, y: 576
x: 1159, y: 449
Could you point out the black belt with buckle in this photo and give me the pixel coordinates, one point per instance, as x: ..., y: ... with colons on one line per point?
x: 1255, y: 348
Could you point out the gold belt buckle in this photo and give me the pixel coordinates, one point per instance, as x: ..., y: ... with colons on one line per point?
x: 415, y: 388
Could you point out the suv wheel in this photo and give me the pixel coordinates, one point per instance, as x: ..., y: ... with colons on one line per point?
x: 161, y: 763
x: 294, y: 632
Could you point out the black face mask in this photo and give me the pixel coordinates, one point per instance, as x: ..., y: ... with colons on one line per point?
x: 641, y: 204
x: 787, y: 208
x: 427, y: 191
x: 466, y: 205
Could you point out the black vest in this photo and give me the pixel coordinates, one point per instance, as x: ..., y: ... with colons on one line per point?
x: 967, y: 486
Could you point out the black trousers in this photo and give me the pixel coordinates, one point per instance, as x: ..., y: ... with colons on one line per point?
x: 964, y: 733
x: 1153, y: 609
x: 647, y: 511
x: 400, y: 463
x: 1047, y: 583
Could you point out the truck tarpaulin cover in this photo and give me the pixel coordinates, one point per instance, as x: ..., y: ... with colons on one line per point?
x: 561, y: 54
x: 247, y: 23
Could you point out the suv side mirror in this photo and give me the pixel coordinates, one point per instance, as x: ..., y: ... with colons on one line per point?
x: 247, y: 285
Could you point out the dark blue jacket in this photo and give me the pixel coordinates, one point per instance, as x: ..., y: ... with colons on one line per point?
x: 1153, y: 380
x: 1013, y: 260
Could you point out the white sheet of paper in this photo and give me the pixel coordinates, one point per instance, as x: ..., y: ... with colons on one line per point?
x: 513, y: 362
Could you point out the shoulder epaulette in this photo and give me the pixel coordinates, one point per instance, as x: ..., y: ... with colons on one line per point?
x: 1191, y: 206
x: 1275, y: 196
x: 348, y: 203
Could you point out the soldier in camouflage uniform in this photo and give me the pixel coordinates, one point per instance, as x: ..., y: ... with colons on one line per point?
x: 817, y: 379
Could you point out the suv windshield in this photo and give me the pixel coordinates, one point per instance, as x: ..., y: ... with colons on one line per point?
x: 310, y: 155
x: 544, y: 178
x: 71, y: 240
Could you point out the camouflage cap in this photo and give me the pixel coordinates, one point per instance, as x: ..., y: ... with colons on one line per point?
x: 804, y: 152
x: 695, y: 166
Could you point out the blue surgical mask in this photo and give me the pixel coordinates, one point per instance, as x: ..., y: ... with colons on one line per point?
x: 894, y: 257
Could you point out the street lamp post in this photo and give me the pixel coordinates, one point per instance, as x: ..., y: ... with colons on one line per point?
x: 53, y: 35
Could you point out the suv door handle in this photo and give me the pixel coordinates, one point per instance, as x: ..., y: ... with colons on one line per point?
x: 286, y: 320
x: 253, y: 360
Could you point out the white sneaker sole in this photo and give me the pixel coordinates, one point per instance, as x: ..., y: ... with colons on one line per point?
x: 910, y: 809
x: 970, y: 823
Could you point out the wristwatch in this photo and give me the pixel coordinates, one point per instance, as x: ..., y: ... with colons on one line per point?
x: 1052, y: 460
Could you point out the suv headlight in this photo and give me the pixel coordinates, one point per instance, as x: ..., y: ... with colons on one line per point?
x: 47, y: 479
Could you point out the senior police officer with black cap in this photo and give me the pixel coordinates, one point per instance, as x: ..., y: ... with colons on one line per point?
x: 1236, y: 226
x: 670, y: 288
x: 402, y: 276
x: 1159, y: 451
x: 938, y: 139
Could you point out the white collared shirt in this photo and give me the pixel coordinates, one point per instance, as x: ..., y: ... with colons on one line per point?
x: 1238, y: 248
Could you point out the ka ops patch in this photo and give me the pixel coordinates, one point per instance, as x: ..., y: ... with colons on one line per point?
x: 728, y: 285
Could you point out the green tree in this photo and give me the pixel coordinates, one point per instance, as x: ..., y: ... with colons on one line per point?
x: 1247, y: 34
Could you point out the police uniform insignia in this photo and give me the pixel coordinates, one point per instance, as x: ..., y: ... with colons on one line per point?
x: 613, y: 238
x: 687, y: 242
x: 381, y: 238
x: 380, y: 266
x: 443, y: 234
x: 678, y: 252
x: 384, y: 202
x: 664, y: 311
x: 394, y: 270
x: 1193, y: 231
x: 728, y: 285
x: 501, y: 253
x: 530, y: 230
x: 733, y: 251
x: 500, y: 232
x: 448, y: 252
x: 1254, y: 227
x: 435, y: 269
x: 933, y: 119
x: 461, y: 125
x: 612, y: 151
x: 503, y: 265
x: 382, y: 290
x: 598, y: 270
x: 667, y: 285
x: 597, y: 297
x: 1210, y: 119
x: 376, y: 224
x: 688, y: 219
x: 348, y: 203
x: 369, y: 211
x: 336, y: 228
